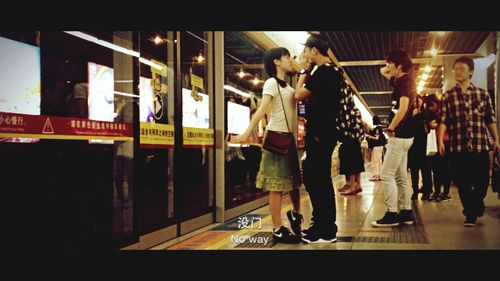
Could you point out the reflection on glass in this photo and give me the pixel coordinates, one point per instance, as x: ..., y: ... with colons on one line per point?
x: 146, y: 100
x: 242, y: 97
x: 101, y: 87
x: 155, y: 108
x: 20, y: 80
x: 238, y: 118
x: 196, y: 195
x: 195, y: 113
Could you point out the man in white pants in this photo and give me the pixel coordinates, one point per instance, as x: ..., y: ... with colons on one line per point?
x: 394, y: 174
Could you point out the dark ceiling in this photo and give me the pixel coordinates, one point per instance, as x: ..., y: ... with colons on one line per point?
x: 364, y: 52
x: 360, y: 48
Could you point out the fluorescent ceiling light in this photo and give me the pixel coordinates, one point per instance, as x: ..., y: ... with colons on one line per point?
x: 125, y: 94
x: 112, y: 46
x: 292, y: 40
x: 365, y: 114
x: 236, y: 91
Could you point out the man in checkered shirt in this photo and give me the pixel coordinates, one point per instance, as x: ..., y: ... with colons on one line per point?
x: 466, y: 112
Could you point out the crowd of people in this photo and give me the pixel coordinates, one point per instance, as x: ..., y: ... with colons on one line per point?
x: 462, y: 122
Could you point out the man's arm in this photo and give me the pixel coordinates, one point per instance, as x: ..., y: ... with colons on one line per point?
x: 301, y: 92
x: 494, y: 133
x: 403, y: 108
x: 491, y: 123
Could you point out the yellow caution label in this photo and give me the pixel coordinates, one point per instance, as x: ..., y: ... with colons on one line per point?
x: 197, y: 81
x: 154, y: 134
x: 194, y: 137
x: 159, y: 68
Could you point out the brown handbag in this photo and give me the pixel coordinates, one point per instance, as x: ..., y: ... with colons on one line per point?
x: 279, y: 142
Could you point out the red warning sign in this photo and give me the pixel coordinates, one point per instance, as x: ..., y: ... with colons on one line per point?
x: 47, y: 128
x: 13, y: 125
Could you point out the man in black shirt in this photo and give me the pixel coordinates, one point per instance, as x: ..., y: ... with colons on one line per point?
x: 320, y: 88
x: 394, y: 173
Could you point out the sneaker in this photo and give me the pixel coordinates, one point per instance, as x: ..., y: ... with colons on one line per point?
x: 414, y: 196
x: 443, y: 197
x: 470, y: 222
x: 421, y: 190
x: 390, y: 219
x: 406, y: 217
x: 306, y: 231
x: 435, y: 197
x: 313, y: 236
x: 425, y: 197
x: 283, y: 235
x: 296, y: 220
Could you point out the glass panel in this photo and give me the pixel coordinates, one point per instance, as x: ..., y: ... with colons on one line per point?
x: 90, y: 77
x: 244, y: 76
x: 196, y: 100
x: 156, y: 111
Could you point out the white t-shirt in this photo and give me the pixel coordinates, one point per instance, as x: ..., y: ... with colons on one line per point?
x: 277, y: 119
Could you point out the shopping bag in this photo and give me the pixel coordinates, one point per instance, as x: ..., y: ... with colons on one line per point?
x: 431, y: 143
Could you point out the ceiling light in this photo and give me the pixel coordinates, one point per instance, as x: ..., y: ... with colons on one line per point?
x: 427, y: 68
x: 200, y: 58
x: 440, y: 33
x: 114, y: 47
x: 434, y: 51
x: 425, y: 76
x: 241, y: 73
x: 255, y: 81
x: 421, y: 84
x: 236, y: 91
x: 157, y: 40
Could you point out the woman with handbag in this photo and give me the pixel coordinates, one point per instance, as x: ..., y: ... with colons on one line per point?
x: 279, y: 167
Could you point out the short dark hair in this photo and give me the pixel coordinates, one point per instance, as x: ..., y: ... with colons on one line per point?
x: 270, y: 56
x: 319, y: 42
x: 466, y: 60
x: 432, y: 98
x: 376, y: 120
x: 399, y: 57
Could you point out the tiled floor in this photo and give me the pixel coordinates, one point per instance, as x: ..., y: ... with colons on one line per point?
x: 439, y: 226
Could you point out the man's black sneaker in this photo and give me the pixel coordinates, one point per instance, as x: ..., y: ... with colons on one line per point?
x: 296, y: 220
x: 283, y: 235
x: 425, y: 197
x: 444, y: 197
x: 390, y: 219
x: 470, y: 222
x: 414, y: 196
x: 435, y: 197
x: 313, y: 236
x: 406, y: 217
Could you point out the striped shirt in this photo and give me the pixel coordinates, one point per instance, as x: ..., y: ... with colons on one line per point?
x: 466, y: 116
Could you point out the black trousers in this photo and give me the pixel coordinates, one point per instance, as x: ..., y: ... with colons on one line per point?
x: 441, y: 172
x: 318, y: 182
x: 417, y: 161
x: 470, y: 173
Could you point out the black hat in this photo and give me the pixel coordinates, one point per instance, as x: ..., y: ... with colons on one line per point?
x: 316, y: 40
